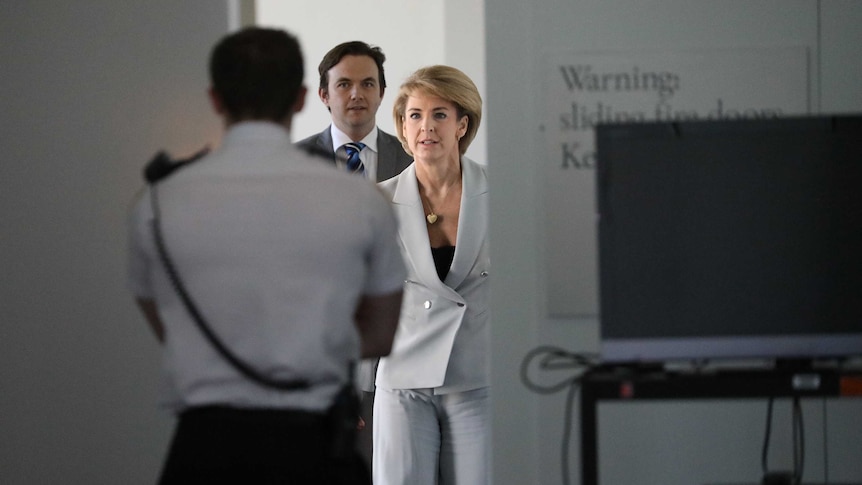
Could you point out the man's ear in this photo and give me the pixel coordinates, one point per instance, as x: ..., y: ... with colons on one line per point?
x: 216, y: 101
x: 300, y: 99
x: 323, y: 94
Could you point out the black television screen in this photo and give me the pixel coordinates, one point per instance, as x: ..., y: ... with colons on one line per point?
x: 730, y: 239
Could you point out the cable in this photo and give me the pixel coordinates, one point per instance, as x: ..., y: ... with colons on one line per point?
x: 798, y: 441
x: 764, y: 459
x: 825, y: 444
x: 555, y: 359
x: 798, y: 428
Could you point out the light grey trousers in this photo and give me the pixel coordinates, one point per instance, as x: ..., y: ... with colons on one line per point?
x: 422, y: 438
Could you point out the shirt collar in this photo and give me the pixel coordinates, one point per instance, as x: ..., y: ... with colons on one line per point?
x: 339, y: 138
x: 256, y: 130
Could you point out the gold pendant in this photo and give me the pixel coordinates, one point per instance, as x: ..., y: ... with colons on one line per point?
x: 432, y: 218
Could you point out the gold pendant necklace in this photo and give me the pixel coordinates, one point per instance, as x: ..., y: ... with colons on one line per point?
x: 433, y: 217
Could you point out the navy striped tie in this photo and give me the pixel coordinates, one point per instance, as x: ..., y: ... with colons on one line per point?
x: 354, y: 163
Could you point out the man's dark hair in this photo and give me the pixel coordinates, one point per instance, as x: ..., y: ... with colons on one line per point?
x: 352, y: 48
x: 257, y: 73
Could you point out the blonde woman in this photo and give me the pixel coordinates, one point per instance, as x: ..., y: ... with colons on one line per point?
x: 431, y: 411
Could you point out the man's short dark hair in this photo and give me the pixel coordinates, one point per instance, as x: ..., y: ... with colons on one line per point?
x: 257, y: 73
x: 352, y: 48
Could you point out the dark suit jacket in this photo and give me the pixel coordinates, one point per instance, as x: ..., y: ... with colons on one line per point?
x: 391, y: 157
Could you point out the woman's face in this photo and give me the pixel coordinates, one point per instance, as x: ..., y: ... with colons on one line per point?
x: 432, y: 127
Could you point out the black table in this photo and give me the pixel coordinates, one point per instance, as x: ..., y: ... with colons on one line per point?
x: 611, y: 382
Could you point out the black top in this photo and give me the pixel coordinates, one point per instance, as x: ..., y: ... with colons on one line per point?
x: 443, y: 260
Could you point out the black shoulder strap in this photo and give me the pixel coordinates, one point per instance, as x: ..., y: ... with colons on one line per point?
x: 163, y: 166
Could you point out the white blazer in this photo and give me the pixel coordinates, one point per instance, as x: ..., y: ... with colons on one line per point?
x: 443, y: 332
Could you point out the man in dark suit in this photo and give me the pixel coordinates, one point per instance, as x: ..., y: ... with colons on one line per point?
x: 351, y: 86
x: 352, y: 83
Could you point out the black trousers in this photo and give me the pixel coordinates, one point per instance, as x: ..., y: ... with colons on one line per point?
x: 214, y: 445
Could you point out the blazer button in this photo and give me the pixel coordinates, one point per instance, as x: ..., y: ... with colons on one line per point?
x: 427, y: 304
x: 460, y: 304
x: 483, y: 274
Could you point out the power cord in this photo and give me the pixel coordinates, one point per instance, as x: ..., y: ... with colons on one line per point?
x: 798, y: 440
x: 798, y: 446
x: 552, y: 358
x: 767, y: 435
x: 825, y: 425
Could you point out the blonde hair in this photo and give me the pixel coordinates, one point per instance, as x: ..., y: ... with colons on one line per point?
x: 447, y: 83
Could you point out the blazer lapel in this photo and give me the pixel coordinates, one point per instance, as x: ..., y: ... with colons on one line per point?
x: 324, y: 141
x: 414, y: 233
x: 385, y: 157
x: 391, y: 157
x: 472, y: 222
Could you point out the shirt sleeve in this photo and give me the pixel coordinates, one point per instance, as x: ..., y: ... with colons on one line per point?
x: 139, y: 263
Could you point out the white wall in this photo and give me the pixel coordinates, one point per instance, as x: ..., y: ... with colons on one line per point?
x: 88, y: 92
x: 657, y: 443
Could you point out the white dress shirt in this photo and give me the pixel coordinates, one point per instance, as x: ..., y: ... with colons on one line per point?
x: 368, y: 155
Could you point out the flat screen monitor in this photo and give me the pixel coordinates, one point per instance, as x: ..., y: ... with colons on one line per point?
x: 730, y: 239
